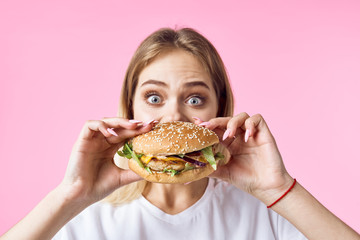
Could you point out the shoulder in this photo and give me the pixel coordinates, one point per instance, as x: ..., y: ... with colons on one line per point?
x: 100, y: 220
x: 107, y: 213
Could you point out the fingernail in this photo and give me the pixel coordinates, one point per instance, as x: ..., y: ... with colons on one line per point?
x: 196, y: 118
x: 226, y: 134
x: 112, y: 132
x: 247, y: 134
x: 135, y: 121
x: 149, y: 122
x: 204, y: 124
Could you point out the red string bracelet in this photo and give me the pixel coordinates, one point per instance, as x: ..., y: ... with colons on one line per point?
x: 292, y: 186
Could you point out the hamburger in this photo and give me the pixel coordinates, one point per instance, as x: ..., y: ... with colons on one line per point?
x: 173, y: 152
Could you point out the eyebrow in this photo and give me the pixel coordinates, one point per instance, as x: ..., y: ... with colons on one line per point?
x: 188, y: 84
x: 156, y: 82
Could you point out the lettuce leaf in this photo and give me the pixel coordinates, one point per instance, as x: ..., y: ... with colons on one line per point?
x: 148, y: 169
x: 187, y: 167
x: 172, y: 171
x: 209, y: 155
x: 129, y: 153
x: 125, y: 152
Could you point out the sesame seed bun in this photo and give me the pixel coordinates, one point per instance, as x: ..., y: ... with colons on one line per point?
x: 174, y: 138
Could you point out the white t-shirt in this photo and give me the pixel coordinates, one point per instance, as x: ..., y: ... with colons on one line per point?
x: 223, y: 212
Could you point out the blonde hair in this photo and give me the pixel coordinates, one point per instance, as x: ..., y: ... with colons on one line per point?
x: 166, y: 39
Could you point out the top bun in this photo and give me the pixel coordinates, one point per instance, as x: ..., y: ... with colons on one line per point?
x: 172, y: 138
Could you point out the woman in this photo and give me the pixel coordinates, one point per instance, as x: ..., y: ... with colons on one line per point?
x: 178, y: 75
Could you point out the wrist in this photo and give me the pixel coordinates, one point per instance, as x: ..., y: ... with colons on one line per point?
x: 275, y: 191
x: 69, y: 197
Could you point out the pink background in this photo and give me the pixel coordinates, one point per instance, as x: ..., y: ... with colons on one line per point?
x: 298, y: 64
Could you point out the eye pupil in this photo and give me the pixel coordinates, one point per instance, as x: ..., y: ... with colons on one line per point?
x: 154, y: 99
x: 194, y: 101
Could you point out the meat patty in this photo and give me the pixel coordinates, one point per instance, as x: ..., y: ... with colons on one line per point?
x: 159, y: 165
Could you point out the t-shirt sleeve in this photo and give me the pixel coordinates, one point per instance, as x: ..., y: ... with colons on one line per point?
x: 64, y: 234
x: 59, y: 235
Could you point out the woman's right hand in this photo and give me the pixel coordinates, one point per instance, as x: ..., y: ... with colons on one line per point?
x: 91, y: 174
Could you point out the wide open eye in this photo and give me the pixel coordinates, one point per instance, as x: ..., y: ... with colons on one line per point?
x: 154, y: 99
x: 195, y: 100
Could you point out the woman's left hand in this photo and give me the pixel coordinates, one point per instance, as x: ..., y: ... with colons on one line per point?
x: 255, y: 163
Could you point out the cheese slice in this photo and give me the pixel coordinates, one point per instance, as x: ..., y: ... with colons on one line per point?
x: 146, y: 158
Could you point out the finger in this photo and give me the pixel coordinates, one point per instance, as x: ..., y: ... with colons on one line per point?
x: 252, y: 125
x: 105, y: 126
x: 234, y: 124
x: 128, y: 176
x: 218, y: 125
x: 120, y: 177
x: 220, y: 122
x: 93, y: 126
x: 230, y: 125
x: 114, y: 129
x: 200, y: 122
x: 122, y: 122
x: 197, y: 120
x: 128, y: 133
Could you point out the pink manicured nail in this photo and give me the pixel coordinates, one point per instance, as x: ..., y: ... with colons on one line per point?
x: 149, y: 122
x: 226, y: 134
x: 204, y: 124
x: 196, y: 118
x: 112, y: 132
x: 247, y: 134
x: 135, y: 121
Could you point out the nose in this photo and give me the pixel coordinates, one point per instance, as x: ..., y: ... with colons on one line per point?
x: 174, y: 111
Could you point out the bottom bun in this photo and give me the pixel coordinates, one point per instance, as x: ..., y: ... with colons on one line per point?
x: 184, y: 177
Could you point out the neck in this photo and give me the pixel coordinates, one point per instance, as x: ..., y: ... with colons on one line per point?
x: 175, y: 198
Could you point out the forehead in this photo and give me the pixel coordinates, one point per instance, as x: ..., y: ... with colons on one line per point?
x: 175, y: 65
